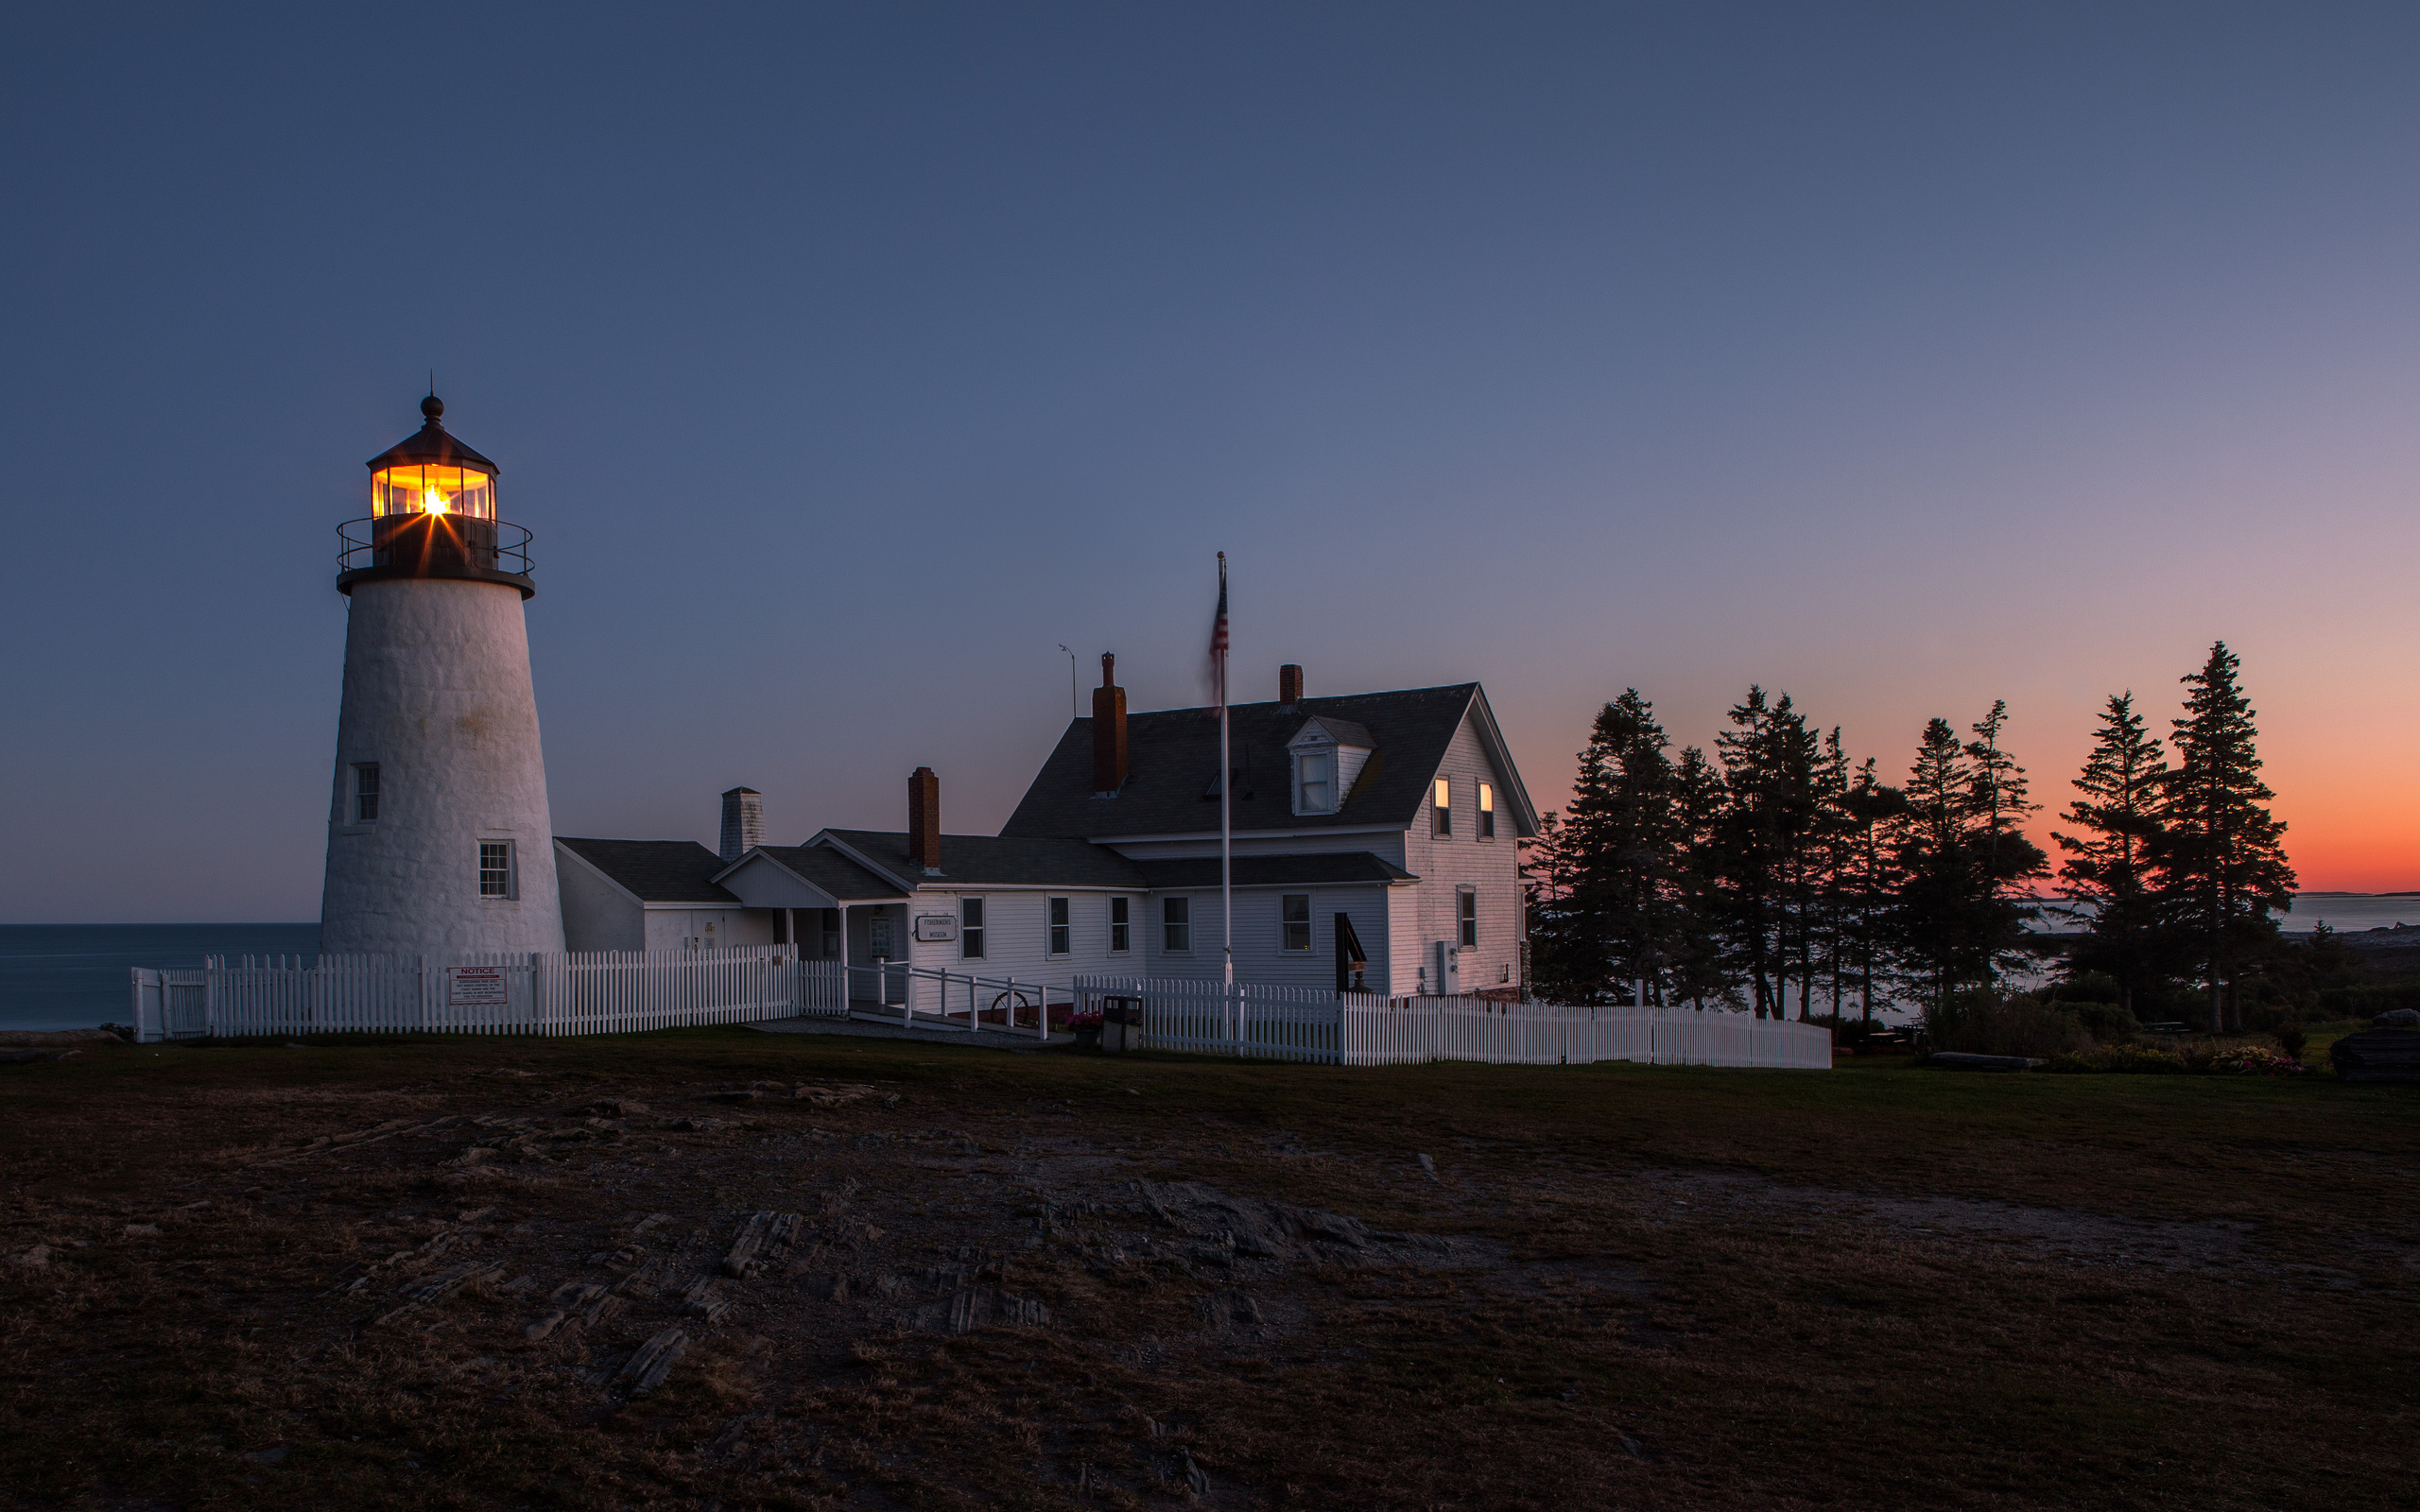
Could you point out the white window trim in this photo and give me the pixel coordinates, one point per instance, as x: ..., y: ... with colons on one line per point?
x: 981, y: 934
x: 1485, y: 827
x: 1127, y: 925
x: 1441, y: 816
x: 1284, y: 924
x: 1186, y: 949
x: 511, y: 871
x: 1050, y: 906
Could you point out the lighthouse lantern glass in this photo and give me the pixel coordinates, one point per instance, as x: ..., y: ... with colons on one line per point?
x: 429, y: 489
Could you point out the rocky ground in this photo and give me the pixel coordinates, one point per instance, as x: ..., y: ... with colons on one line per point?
x: 722, y: 1270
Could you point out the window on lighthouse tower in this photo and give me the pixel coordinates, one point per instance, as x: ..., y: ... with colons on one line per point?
x: 496, y: 868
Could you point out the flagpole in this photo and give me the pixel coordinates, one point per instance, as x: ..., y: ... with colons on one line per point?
x: 1226, y: 794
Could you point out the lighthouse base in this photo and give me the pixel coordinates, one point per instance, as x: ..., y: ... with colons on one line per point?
x: 440, y: 838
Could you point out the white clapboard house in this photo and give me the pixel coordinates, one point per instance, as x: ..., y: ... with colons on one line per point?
x: 1375, y: 843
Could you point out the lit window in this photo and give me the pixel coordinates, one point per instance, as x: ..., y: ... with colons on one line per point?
x: 970, y: 928
x: 1443, y: 804
x: 1118, y: 923
x: 1486, y: 812
x: 1294, y: 910
x: 496, y: 868
x: 1059, y: 930
x: 365, y: 793
x: 1316, y: 783
x: 1176, y: 923
x: 1469, y: 903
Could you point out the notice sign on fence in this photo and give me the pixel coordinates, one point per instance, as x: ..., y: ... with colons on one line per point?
x: 474, y: 986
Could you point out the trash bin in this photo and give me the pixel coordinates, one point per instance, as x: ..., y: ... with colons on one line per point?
x: 1121, y: 1024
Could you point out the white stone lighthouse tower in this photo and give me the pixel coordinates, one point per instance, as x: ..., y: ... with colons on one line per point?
x: 439, y: 837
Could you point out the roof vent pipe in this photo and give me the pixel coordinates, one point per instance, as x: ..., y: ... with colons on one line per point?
x: 743, y: 822
x: 1290, y: 684
x: 924, y: 820
x: 1109, y: 730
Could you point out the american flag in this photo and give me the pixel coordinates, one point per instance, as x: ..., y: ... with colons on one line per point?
x: 1219, y: 637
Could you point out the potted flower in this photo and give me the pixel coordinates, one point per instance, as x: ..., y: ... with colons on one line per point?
x: 1085, y: 1026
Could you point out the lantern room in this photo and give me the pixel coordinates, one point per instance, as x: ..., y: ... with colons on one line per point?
x: 432, y: 487
x: 432, y: 514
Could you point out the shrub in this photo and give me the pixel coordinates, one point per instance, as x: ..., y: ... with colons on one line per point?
x: 2136, y: 1059
x: 1984, y: 1023
x: 2107, y: 1022
x: 2291, y: 1038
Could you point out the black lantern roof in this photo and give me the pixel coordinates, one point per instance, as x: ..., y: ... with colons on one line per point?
x: 432, y: 445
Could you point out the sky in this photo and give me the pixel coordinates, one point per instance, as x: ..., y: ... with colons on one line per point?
x: 849, y: 360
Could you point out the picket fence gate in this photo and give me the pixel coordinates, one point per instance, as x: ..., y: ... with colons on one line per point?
x: 516, y: 992
x: 1371, y: 1029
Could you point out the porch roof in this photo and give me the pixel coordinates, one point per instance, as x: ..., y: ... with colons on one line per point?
x: 996, y: 861
x: 656, y: 872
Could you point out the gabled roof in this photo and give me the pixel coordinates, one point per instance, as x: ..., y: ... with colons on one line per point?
x: 1173, y: 759
x: 1324, y: 868
x: 656, y: 872
x: 1343, y: 732
x: 827, y: 870
x: 988, y: 860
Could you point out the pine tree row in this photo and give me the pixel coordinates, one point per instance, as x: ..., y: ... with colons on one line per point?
x: 1778, y: 877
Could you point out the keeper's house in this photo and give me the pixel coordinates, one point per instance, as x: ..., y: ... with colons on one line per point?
x: 1377, y: 845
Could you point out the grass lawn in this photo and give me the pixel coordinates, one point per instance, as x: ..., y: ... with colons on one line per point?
x: 410, y: 1274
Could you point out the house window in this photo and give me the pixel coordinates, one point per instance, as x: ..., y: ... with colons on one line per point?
x: 1443, y: 805
x: 970, y: 928
x: 1315, y: 782
x: 365, y: 793
x: 1486, y: 812
x: 496, y: 868
x: 1118, y: 921
x: 1467, y: 901
x: 831, y: 932
x: 1059, y: 930
x: 1176, y: 923
x: 1295, y: 913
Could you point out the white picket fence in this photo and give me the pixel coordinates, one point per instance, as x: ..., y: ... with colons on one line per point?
x: 549, y: 993
x: 1370, y: 1029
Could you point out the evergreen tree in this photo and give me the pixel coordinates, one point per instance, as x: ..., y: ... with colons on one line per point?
x: 1768, y: 771
x: 1560, y: 960
x: 1869, y: 879
x: 2108, y: 865
x: 1959, y: 915
x: 1701, y: 801
x: 2219, y: 853
x: 1619, y: 851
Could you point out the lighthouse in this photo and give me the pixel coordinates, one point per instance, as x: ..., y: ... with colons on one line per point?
x: 439, y: 837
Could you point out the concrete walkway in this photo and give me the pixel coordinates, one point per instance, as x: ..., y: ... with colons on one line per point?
x: 869, y: 1026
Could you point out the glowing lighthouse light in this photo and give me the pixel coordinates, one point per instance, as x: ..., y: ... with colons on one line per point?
x: 431, y: 489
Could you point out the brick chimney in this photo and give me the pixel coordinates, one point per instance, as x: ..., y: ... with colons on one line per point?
x: 743, y: 822
x: 1109, y: 729
x: 924, y: 820
x: 1290, y: 684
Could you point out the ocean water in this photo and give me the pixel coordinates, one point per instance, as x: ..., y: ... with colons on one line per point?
x: 2346, y: 913
x: 73, y: 976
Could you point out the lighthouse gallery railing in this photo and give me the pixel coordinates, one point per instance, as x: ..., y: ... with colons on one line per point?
x: 517, y: 992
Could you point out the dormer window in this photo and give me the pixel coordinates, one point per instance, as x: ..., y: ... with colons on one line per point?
x: 1327, y: 755
x: 1315, y: 781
